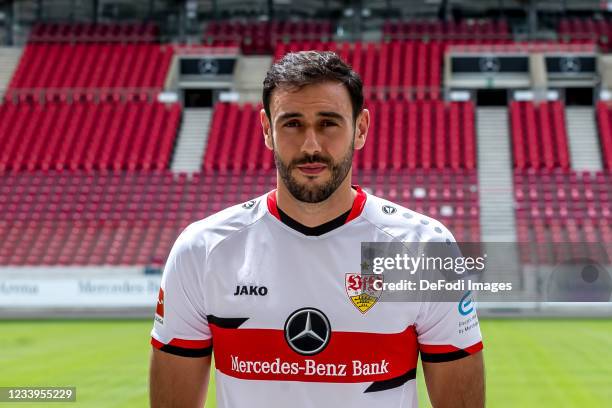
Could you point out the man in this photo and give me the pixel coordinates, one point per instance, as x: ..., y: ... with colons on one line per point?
x: 262, y: 284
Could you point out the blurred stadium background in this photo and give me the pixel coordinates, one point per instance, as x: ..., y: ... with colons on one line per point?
x: 123, y: 121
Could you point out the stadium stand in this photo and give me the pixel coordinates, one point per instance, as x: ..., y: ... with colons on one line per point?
x: 563, y: 206
x: 234, y: 141
x: 405, y: 135
x: 128, y: 218
x: 92, y: 218
x: 90, y: 32
x: 554, y: 204
x: 576, y: 29
x: 420, y: 134
x: 388, y: 69
x: 115, y: 201
x: 539, y: 135
x: 478, y: 30
x: 260, y: 37
x: 84, y: 66
x: 448, y: 195
x: 396, y: 69
x: 87, y: 135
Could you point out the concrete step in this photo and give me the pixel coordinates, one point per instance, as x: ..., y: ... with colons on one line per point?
x: 192, y: 140
x: 583, y: 138
x: 9, y: 60
x: 495, y: 175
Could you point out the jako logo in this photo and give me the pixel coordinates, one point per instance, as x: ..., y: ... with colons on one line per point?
x: 251, y: 290
x: 466, y: 304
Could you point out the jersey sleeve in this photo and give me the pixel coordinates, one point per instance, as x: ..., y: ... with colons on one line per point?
x: 448, y: 331
x: 180, y: 325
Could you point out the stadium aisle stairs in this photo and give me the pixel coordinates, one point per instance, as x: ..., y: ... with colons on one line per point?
x: 9, y: 59
x: 585, y: 152
x: 497, y: 214
x: 191, y: 143
x: 495, y: 175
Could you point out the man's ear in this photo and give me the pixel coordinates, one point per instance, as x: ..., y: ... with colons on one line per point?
x: 361, y: 130
x: 266, y: 126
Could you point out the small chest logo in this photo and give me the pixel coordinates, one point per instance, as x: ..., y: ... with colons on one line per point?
x: 363, y: 290
x: 387, y: 209
x: 248, y: 205
x: 250, y: 290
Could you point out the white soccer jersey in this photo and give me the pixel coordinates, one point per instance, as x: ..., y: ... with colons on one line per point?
x: 271, y: 303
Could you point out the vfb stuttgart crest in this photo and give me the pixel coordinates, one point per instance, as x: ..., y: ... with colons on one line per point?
x: 361, y: 290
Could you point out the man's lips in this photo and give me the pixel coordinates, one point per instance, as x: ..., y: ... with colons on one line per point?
x: 312, y: 168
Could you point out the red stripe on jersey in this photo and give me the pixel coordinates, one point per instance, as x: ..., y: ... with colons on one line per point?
x: 447, y: 348
x: 474, y: 348
x: 263, y: 354
x: 358, y: 204
x: 159, y: 310
x: 272, y: 204
x: 156, y: 343
x: 356, y: 209
x: 182, y: 343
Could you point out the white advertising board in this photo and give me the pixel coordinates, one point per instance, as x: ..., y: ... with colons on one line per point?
x: 138, y: 291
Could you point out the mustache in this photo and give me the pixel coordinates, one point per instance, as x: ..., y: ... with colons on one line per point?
x: 310, y: 159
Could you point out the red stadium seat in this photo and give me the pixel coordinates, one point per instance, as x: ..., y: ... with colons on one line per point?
x: 539, y: 138
x: 91, y: 66
x: 561, y: 207
x: 84, y: 135
x: 408, y: 135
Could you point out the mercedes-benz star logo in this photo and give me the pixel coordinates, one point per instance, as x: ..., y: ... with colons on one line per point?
x: 569, y: 64
x: 489, y: 64
x: 208, y: 66
x: 307, y: 331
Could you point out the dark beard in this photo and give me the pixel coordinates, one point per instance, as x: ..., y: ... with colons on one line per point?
x: 338, y: 171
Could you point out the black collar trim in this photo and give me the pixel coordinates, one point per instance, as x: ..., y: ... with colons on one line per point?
x: 313, y: 231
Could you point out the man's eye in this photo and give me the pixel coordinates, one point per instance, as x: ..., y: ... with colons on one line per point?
x: 292, y: 124
x: 327, y: 123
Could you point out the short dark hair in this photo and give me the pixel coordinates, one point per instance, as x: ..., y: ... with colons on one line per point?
x: 298, y: 69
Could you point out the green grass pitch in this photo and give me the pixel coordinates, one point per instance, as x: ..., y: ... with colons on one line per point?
x: 529, y: 363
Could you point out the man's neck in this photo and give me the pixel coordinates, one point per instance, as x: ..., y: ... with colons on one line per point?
x: 314, y: 214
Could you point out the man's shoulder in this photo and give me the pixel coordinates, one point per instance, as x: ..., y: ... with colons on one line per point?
x: 206, y: 233
x: 403, y: 223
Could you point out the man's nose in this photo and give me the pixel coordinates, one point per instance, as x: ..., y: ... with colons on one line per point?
x: 311, y: 142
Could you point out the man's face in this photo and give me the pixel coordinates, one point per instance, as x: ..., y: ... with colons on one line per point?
x: 313, y: 137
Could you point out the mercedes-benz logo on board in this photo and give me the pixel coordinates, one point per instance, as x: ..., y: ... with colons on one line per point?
x: 307, y: 331
x: 208, y: 66
x: 489, y: 63
x: 569, y: 64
